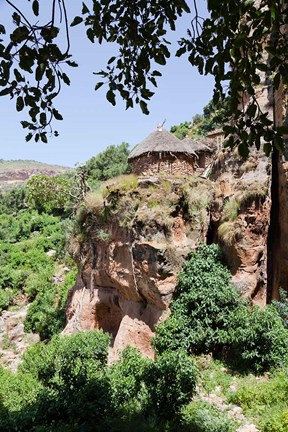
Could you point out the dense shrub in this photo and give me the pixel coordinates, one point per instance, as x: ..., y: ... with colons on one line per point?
x: 208, y: 315
x: 112, y: 162
x: 72, y: 371
x: 171, y: 382
x: 127, y: 378
x: 265, y: 400
x: 259, y: 341
x: 46, y: 315
x: 281, y: 306
x: 25, y: 266
x: 204, y: 417
x: 204, y: 301
x: 18, y: 400
x: 13, y: 200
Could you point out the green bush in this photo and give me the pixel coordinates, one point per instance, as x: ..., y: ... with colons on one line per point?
x: 281, y: 306
x: 259, y: 341
x: 18, y: 400
x: 201, y: 310
x: 6, y: 298
x: 127, y: 378
x: 112, y: 162
x: 208, y: 315
x: 46, y: 315
x: 171, y: 382
x: 204, y: 417
x: 67, y: 358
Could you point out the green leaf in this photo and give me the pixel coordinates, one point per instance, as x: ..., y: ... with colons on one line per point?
x: 180, y: 51
x: 35, y: 7
x: 5, y: 91
x: 129, y: 103
x: 85, y: 9
x: 98, y: 85
x: 56, y: 114
x: 160, y: 59
x: 66, y: 79
x: 267, y: 147
x: 28, y: 137
x: 243, y: 150
x: 2, y: 29
x: 77, y: 20
x: 20, y: 34
x: 40, y: 72
x: 16, y: 18
x: 19, y: 103
x: 43, y: 137
x: 143, y: 106
x: 25, y: 124
x: 72, y: 63
x: 18, y: 76
x: 90, y: 35
x: 110, y: 96
x: 111, y: 60
x: 43, y: 119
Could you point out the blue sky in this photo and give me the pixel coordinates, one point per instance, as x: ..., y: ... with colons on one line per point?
x: 90, y: 123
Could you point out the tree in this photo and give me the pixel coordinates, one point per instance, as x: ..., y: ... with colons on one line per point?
x: 110, y: 163
x: 232, y: 45
x: 48, y: 193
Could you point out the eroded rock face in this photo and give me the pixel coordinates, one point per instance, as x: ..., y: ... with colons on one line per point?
x: 126, y: 280
x: 131, y: 246
x: 244, y: 186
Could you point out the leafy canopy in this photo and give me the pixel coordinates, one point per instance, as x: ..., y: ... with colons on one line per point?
x: 240, y: 40
x: 208, y: 316
x: 112, y: 162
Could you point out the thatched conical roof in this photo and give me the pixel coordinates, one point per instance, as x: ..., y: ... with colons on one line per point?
x: 201, y: 145
x: 162, y: 141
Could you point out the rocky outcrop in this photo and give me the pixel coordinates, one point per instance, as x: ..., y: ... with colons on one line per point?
x: 13, y: 339
x: 128, y: 263
x: 131, y: 245
x: 15, y: 173
x: 241, y: 218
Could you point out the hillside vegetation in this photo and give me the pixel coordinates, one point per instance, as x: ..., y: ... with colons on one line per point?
x: 11, y: 165
x: 221, y: 363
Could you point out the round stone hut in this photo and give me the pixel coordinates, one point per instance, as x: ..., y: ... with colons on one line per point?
x: 162, y: 153
x: 204, y: 150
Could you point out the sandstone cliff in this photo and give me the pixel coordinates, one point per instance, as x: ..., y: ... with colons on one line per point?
x: 130, y: 245
x: 17, y: 172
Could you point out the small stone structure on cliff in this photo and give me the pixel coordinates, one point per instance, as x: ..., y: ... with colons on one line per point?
x: 162, y: 153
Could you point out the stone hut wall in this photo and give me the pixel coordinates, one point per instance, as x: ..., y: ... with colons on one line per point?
x: 204, y: 159
x: 161, y: 163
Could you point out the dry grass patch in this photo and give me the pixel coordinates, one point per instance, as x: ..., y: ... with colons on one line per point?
x: 123, y: 183
x: 198, y: 196
x: 229, y: 233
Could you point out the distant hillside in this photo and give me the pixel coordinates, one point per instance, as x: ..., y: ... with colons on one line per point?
x: 17, y: 172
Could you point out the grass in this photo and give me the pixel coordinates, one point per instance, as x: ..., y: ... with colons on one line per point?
x: 200, y: 416
x: 197, y: 195
x: 230, y: 210
x: 214, y: 375
x: 93, y: 201
x: 229, y: 233
x: 244, y: 197
x: 103, y: 235
x: 123, y: 183
x: 264, y: 399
